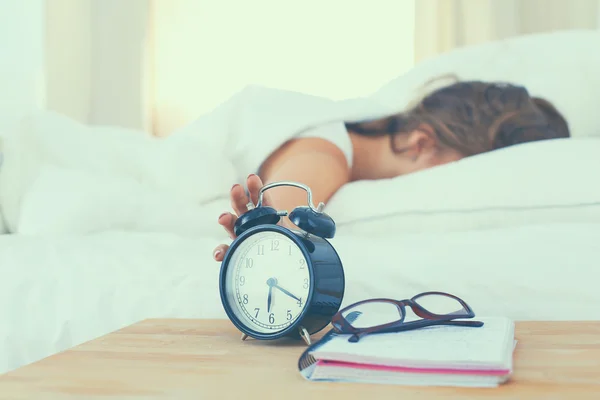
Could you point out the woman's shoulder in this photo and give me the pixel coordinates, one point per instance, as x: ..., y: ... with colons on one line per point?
x: 335, y: 133
x: 251, y: 151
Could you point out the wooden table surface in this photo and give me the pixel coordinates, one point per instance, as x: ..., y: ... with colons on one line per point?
x: 203, y: 359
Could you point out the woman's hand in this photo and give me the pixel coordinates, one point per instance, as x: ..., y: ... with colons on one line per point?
x: 239, y: 202
x: 317, y: 163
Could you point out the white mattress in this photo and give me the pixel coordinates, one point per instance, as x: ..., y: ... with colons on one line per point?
x: 59, y: 292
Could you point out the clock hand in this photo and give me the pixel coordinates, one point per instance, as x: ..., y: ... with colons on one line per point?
x: 271, y: 282
x: 286, y: 292
x: 269, y: 299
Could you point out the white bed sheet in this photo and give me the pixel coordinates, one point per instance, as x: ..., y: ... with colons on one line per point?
x: 58, y: 292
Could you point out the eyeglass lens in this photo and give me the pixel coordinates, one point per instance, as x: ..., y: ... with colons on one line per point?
x: 441, y: 305
x: 373, y: 313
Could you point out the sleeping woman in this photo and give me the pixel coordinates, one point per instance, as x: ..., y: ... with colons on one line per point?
x: 451, y: 123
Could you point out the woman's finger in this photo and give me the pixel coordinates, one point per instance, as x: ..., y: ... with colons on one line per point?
x: 239, y: 200
x: 254, y: 184
x: 227, y: 221
x: 219, y: 252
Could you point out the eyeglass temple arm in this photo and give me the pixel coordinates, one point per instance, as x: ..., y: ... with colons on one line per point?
x: 429, y: 322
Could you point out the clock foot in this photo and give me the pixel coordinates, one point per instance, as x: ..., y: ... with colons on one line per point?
x: 244, y: 336
x: 304, y: 335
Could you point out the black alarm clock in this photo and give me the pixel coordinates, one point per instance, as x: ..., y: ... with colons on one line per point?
x: 277, y: 282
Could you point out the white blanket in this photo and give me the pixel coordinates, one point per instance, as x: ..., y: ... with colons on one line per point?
x: 60, y: 176
x: 57, y: 292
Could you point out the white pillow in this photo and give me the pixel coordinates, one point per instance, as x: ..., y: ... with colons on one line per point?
x: 70, y: 201
x: 550, y: 181
x: 562, y: 67
x: 53, y: 151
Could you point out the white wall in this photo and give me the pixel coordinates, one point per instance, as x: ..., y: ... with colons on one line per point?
x: 206, y: 50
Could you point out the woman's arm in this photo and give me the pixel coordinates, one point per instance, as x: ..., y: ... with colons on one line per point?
x: 315, y: 162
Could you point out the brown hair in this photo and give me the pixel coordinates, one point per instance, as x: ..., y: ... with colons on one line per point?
x: 473, y: 117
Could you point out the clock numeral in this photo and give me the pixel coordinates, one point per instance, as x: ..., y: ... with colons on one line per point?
x: 245, y: 299
x: 260, y: 249
x: 242, y: 280
x: 299, y: 302
x: 302, y: 263
x: 271, y: 318
x: 289, y: 315
x: 249, y: 263
x: 257, y: 310
x: 274, y: 245
x: 290, y: 250
x: 305, y: 286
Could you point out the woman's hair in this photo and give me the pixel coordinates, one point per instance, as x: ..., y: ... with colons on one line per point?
x: 473, y: 117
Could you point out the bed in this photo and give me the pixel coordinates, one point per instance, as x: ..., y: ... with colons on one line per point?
x: 66, y: 290
x: 523, y: 242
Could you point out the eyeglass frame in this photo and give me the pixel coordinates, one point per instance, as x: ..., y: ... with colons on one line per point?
x: 428, y: 318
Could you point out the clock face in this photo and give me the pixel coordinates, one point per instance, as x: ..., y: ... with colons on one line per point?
x: 267, y: 282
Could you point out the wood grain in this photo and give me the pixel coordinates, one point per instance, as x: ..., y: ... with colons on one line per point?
x: 203, y: 359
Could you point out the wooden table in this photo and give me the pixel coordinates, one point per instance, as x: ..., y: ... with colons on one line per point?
x: 206, y: 360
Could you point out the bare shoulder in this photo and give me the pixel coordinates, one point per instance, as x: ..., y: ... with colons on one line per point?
x: 316, y: 162
x: 306, y: 149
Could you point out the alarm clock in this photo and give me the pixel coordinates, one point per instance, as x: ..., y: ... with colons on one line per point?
x: 277, y: 282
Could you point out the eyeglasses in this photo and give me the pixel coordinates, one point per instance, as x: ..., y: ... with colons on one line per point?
x: 387, y: 315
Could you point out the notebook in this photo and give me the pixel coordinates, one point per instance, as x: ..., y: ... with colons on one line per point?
x: 433, y: 356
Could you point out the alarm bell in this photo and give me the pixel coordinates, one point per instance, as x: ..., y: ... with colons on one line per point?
x: 309, y: 218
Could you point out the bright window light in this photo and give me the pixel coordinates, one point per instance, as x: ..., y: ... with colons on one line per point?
x: 205, y: 51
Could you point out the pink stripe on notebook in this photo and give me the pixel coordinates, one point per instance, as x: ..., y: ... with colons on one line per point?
x: 445, y: 371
